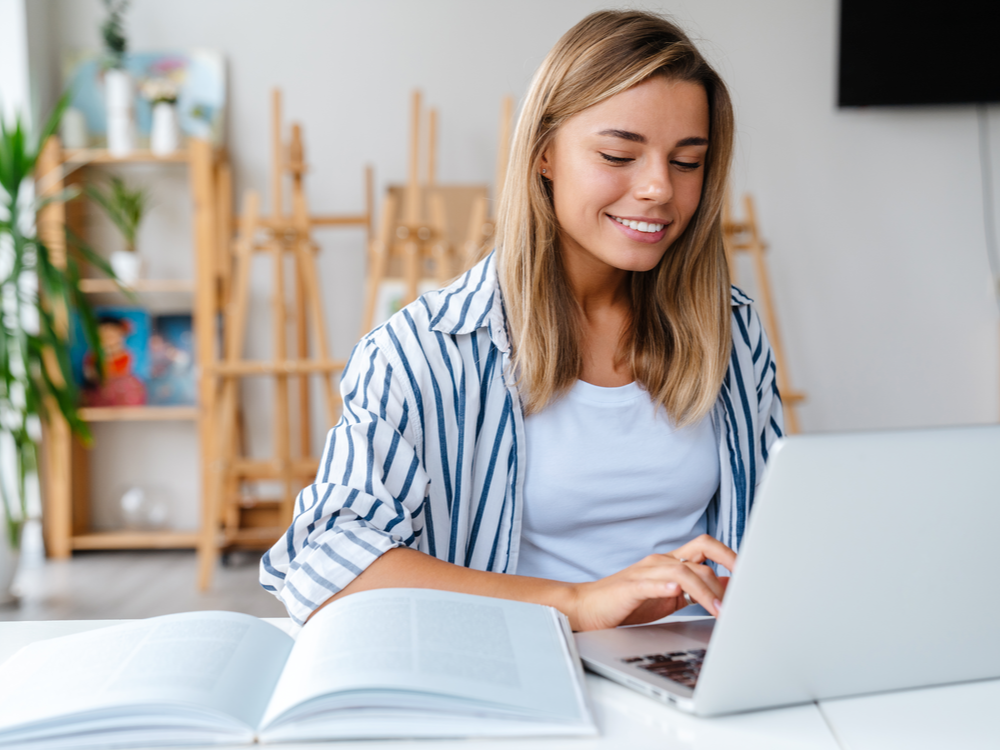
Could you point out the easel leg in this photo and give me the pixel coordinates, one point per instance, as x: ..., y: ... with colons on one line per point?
x: 225, y: 412
x: 379, y: 254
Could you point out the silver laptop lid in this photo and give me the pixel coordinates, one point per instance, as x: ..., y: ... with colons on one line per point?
x: 869, y: 564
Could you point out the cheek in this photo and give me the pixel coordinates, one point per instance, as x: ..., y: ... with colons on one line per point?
x: 689, y: 197
x: 582, y: 193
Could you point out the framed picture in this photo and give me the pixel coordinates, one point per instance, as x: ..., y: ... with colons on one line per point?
x: 171, y: 354
x: 124, y: 333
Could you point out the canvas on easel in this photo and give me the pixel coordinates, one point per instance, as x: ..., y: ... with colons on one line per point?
x: 422, y: 240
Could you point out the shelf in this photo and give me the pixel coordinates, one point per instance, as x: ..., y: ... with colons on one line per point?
x: 136, y: 540
x: 109, y: 286
x: 82, y: 156
x: 138, y: 413
x: 67, y: 482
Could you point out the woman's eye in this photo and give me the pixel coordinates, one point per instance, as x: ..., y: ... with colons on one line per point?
x: 615, y: 159
x: 686, y: 165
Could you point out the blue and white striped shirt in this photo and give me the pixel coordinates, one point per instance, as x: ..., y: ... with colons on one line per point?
x: 430, y: 450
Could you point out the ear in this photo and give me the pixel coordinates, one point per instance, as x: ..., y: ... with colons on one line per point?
x: 545, y: 165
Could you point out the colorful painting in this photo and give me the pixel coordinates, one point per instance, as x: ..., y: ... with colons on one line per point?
x: 199, y: 76
x: 171, y: 353
x: 124, y: 333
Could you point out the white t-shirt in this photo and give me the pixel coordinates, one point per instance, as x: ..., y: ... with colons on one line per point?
x: 609, y: 480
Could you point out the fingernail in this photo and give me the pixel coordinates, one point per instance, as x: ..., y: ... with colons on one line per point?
x: 718, y: 605
x: 672, y: 587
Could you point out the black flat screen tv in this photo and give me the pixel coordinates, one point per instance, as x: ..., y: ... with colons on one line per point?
x: 895, y: 52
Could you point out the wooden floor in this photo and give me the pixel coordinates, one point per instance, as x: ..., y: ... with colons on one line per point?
x: 117, y: 585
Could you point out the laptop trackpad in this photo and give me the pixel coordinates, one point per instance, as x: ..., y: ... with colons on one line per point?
x: 686, y: 635
x: 645, y: 639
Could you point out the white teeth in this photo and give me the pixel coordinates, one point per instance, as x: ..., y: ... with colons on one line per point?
x: 640, y: 226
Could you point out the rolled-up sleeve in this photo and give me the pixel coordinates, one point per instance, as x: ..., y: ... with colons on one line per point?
x: 368, y: 495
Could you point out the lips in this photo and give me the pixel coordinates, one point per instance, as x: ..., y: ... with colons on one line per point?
x: 639, y: 230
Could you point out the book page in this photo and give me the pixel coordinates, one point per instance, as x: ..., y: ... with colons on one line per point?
x: 221, y: 662
x: 471, y: 647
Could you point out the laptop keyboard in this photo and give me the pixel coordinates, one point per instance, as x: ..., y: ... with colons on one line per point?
x: 680, y: 666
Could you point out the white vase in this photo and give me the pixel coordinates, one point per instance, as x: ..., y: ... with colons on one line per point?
x: 8, y: 564
x: 165, y: 136
x: 119, y: 97
x: 127, y: 266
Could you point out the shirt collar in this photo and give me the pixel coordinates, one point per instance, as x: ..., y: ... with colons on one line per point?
x: 738, y: 298
x: 472, y: 302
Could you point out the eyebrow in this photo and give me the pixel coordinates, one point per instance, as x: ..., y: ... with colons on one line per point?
x: 627, y: 135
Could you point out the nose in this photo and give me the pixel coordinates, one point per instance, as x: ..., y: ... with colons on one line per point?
x: 653, y: 182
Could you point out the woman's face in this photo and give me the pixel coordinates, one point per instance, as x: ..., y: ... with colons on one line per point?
x: 627, y: 174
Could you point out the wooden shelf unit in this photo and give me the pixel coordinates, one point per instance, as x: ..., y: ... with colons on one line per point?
x: 107, y: 286
x: 84, y: 156
x: 127, y: 539
x: 65, y: 479
x: 139, y: 413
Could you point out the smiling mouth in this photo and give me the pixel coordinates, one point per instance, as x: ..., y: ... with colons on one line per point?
x: 639, y: 226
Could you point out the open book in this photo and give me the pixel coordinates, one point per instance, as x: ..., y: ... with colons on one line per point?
x: 386, y: 663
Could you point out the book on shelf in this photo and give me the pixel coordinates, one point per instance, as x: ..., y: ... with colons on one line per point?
x: 389, y: 663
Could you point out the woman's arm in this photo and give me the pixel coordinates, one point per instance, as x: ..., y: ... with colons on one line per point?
x: 649, y: 589
x: 369, y: 489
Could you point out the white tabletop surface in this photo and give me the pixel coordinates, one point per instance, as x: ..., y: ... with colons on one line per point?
x: 959, y: 716
x: 965, y: 716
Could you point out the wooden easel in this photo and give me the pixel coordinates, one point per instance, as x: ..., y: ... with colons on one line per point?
x: 233, y: 518
x: 744, y: 236
x: 404, y: 234
x: 423, y: 223
x: 482, y: 221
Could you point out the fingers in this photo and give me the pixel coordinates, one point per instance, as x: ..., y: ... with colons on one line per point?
x: 698, y: 581
x: 701, y: 585
x: 705, y: 547
x: 655, y: 588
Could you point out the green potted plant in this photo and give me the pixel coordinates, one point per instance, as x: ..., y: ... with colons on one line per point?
x: 36, y: 298
x: 125, y: 206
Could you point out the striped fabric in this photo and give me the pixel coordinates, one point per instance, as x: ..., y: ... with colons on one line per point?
x: 429, y: 452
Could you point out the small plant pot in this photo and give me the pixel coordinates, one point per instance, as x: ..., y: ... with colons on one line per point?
x: 127, y: 266
x: 165, y: 135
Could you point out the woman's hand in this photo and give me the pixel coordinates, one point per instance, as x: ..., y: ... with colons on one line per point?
x: 654, y: 587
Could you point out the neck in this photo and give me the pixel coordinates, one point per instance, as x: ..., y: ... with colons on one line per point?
x: 596, y: 286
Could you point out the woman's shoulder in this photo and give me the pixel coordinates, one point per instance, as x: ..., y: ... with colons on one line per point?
x: 747, y: 329
x: 469, y: 303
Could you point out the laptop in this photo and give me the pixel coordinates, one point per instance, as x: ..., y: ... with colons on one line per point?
x: 869, y: 564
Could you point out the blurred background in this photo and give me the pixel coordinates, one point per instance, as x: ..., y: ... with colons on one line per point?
x: 873, y: 216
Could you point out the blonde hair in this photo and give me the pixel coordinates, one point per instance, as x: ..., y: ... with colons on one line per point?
x: 678, y: 340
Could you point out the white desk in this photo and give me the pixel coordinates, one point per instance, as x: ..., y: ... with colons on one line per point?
x: 961, y: 716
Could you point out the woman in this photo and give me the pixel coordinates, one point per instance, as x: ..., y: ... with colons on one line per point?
x: 581, y: 419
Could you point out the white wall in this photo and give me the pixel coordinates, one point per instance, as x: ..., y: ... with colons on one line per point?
x: 874, y: 217
x: 13, y: 57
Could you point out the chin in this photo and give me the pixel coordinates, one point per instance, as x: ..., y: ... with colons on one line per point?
x: 639, y: 262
